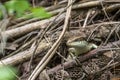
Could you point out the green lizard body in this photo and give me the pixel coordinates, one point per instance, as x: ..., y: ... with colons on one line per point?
x: 80, y: 47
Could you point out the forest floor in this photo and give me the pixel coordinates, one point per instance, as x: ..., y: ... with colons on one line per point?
x: 39, y: 48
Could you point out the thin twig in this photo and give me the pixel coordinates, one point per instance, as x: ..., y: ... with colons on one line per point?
x: 51, y: 52
x: 86, y: 19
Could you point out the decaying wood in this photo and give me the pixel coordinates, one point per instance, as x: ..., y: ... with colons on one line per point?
x: 30, y: 27
x: 42, y: 24
x: 25, y: 55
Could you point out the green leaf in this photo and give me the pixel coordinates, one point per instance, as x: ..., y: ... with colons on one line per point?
x: 17, y: 6
x: 1, y: 15
x: 7, y: 73
x: 10, y: 7
x: 40, y: 13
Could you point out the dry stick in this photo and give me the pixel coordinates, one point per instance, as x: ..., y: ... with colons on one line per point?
x: 106, y: 14
x: 101, y: 2
x: 82, y: 5
x: 24, y: 22
x: 89, y: 55
x: 22, y: 56
x: 55, y: 7
x: 104, y: 23
x: 36, y: 25
x: 98, y: 25
x: 79, y: 6
x: 49, y: 27
x: 32, y: 56
x: 31, y: 27
x: 34, y: 19
x: 88, y: 4
x: 25, y: 55
x: 42, y: 35
x: 61, y: 16
x: 27, y: 28
x: 24, y: 37
x: 86, y: 19
x: 51, y: 52
x: 40, y: 38
x: 114, y: 28
x: 53, y: 19
x: 49, y: 9
x: 52, y: 10
x: 112, y: 7
x: 3, y: 37
x: 112, y: 1
x: 93, y: 32
x: 113, y: 65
